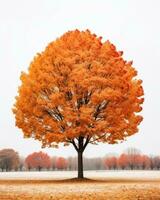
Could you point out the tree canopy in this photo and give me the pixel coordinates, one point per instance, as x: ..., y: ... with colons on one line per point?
x: 38, y: 160
x: 79, y: 90
x: 9, y: 159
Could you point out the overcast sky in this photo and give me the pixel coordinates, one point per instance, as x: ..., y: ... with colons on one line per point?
x: 26, y: 27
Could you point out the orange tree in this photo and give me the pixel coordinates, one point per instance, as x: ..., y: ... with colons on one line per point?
x: 79, y: 90
x: 61, y: 163
x: 38, y: 160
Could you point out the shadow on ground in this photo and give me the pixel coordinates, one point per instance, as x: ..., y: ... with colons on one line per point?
x: 76, y: 180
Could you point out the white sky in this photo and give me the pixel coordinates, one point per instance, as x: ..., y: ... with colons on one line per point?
x: 26, y: 27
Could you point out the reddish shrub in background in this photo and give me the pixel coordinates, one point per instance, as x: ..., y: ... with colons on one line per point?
x: 123, y: 161
x: 61, y: 163
x: 111, y: 162
x: 38, y: 160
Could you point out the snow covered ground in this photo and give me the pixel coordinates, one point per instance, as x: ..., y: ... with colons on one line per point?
x: 102, y: 175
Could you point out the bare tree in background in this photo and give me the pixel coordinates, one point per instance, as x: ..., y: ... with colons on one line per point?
x: 53, y: 162
x: 21, y: 163
x: 93, y: 163
x: 72, y: 163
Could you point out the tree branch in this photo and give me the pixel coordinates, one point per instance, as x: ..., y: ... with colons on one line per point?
x: 74, y: 144
x: 84, y: 100
x: 68, y: 95
x: 99, y: 108
x: 54, y: 113
x: 86, y: 142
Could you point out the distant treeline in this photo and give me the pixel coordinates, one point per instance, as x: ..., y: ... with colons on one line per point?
x: 131, y: 159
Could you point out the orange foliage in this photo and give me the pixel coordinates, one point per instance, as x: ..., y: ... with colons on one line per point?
x: 38, y: 160
x: 79, y: 87
x: 134, y: 161
x: 61, y: 163
x: 111, y: 162
x: 145, y: 162
x: 123, y: 161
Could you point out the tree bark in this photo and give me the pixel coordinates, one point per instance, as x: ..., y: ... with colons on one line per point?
x: 80, y: 165
x: 80, y: 147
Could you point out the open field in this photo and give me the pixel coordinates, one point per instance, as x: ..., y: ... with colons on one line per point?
x: 107, y: 185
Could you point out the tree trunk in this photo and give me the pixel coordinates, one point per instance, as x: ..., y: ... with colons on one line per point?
x: 80, y: 147
x: 39, y: 168
x: 80, y: 164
